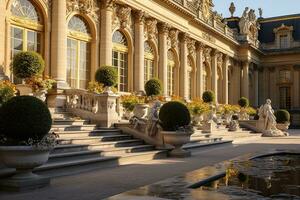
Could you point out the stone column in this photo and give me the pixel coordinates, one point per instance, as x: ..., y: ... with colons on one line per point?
x: 183, y: 74
x: 296, y: 83
x: 106, y: 14
x: 59, y: 43
x: 273, y: 87
x: 2, y: 40
x: 199, y: 66
x: 245, y: 79
x: 139, y: 52
x: 214, y: 71
x: 256, y: 87
x: 225, y: 79
x: 163, y: 56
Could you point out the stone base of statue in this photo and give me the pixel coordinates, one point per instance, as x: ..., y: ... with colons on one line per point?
x: 207, y: 127
x: 234, y: 126
x: 274, y: 133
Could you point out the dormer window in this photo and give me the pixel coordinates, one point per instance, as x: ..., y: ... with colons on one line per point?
x: 284, y: 36
x: 284, y: 43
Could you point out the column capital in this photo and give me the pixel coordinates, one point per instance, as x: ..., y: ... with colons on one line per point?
x: 226, y: 57
x: 107, y: 4
x: 183, y: 37
x: 163, y: 27
x: 215, y: 52
x: 139, y: 16
x: 200, y: 46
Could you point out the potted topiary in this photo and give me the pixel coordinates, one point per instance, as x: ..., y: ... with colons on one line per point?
x: 282, y: 119
x: 129, y: 102
x: 25, y: 122
x: 243, y: 103
x: 175, y: 121
x: 26, y: 65
x: 108, y: 76
x: 208, y: 96
x: 197, y: 108
x: 153, y: 88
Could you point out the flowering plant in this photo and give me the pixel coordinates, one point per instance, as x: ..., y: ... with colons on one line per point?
x: 250, y: 111
x: 38, y: 83
x: 7, y: 91
x: 95, y: 87
x: 197, y: 107
x: 129, y: 101
x: 230, y: 108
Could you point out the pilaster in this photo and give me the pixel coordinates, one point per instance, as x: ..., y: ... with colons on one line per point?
x: 225, y: 79
x: 245, y: 79
x: 199, y: 66
x: 59, y: 43
x: 183, y: 75
x: 214, y: 71
x: 163, y: 56
x: 139, y: 52
x: 106, y: 14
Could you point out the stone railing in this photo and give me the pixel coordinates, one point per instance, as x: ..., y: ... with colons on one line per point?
x: 101, y: 109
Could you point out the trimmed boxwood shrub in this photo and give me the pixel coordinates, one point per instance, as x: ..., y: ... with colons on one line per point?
x: 153, y: 87
x: 107, y: 75
x: 173, y: 115
x: 243, y: 102
x: 235, y: 117
x: 208, y: 96
x: 27, y: 64
x: 23, y: 118
x: 282, y: 116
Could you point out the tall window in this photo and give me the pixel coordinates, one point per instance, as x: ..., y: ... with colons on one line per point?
x: 120, y: 59
x: 26, y: 28
x: 190, y: 79
x: 284, y: 43
x: 171, y: 74
x: 205, y: 77
x: 285, y: 97
x: 284, y: 76
x: 79, y: 56
x: 149, y: 61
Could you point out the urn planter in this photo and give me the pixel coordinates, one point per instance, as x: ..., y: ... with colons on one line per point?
x: 24, y: 159
x: 40, y: 94
x: 140, y: 110
x: 177, y: 139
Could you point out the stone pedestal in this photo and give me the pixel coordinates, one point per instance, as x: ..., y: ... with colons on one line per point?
x: 207, y: 127
x: 56, y: 99
x: 17, y: 185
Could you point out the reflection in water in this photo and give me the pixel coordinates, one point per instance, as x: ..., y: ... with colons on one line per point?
x: 276, y: 177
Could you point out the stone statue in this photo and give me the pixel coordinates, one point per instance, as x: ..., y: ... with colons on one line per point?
x: 232, y: 9
x: 244, y: 22
x: 266, y: 115
x: 260, y: 10
x: 234, y: 124
x: 153, y: 119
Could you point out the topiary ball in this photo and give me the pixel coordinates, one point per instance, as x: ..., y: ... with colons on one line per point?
x: 107, y: 75
x: 24, y: 117
x: 208, y: 96
x: 243, y: 102
x: 173, y: 115
x: 282, y: 116
x: 27, y: 64
x: 153, y: 87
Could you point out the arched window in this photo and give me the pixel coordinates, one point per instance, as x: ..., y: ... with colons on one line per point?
x: 190, y: 78
x: 26, y: 27
x: 120, y: 59
x: 149, y: 61
x: 171, y: 73
x: 79, y: 56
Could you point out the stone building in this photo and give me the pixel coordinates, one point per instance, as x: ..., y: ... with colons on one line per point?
x: 184, y: 43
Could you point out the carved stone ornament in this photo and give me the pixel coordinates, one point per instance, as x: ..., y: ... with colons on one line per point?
x: 124, y: 15
x: 173, y: 38
x: 48, y: 3
x: 207, y: 55
x: 248, y: 24
x: 219, y: 59
x: 191, y: 45
x: 206, y: 7
x: 88, y: 7
x: 151, y: 29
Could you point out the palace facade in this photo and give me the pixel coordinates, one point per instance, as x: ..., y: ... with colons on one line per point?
x: 184, y: 43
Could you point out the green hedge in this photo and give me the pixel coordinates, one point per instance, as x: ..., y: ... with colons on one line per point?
x: 282, y: 116
x: 107, y: 75
x: 173, y: 115
x: 27, y: 64
x: 208, y: 96
x: 243, y: 102
x: 153, y: 87
x: 23, y: 118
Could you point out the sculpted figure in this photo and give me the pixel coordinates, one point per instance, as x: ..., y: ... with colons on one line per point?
x: 244, y: 22
x: 153, y: 119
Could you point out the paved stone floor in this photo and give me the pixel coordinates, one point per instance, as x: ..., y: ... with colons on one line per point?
x: 103, y: 183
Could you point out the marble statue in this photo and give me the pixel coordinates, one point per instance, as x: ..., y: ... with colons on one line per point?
x: 234, y: 124
x: 266, y: 115
x: 244, y: 22
x: 153, y: 119
x: 248, y: 24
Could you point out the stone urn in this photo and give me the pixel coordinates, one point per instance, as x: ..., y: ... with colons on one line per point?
x: 283, y: 126
x: 40, y: 94
x: 24, y: 89
x: 140, y: 110
x: 24, y: 159
x: 197, y: 119
x: 177, y: 139
x: 127, y: 114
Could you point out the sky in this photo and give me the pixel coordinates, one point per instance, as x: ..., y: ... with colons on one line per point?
x: 271, y: 8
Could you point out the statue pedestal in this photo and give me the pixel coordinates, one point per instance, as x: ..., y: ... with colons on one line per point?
x: 208, y: 127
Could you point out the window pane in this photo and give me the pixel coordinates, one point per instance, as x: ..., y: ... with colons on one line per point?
x: 285, y: 97
x: 33, y: 41
x: 24, y: 9
x: 77, y: 23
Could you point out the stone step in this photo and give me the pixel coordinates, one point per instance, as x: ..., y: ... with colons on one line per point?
x: 191, y: 146
x: 86, y: 127
x: 122, y: 143
x: 70, y: 122
x: 93, y: 139
x: 66, y: 148
x: 205, y: 140
x: 97, y: 132
x: 123, y: 150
